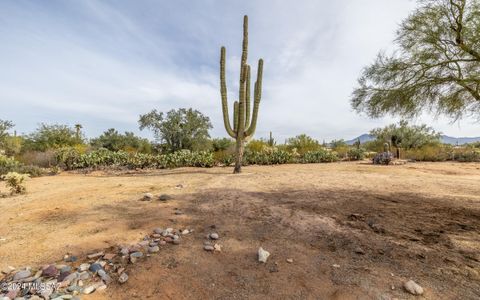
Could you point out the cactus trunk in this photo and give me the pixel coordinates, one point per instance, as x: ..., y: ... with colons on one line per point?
x: 244, y: 121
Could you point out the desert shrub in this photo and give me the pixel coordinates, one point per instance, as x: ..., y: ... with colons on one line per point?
x: 303, y: 144
x: 356, y: 154
x: 467, y: 155
x: 67, y: 157
x: 40, y: 159
x: 115, y: 141
x: 8, y: 164
x: 52, y: 137
x: 319, y: 156
x: 434, y: 152
x: 268, y: 156
x: 222, y: 144
x: 16, y: 182
x: 257, y: 146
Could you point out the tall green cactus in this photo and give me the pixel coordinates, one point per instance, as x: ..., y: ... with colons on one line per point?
x: 243, y: 124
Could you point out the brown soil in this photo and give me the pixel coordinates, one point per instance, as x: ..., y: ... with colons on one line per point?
x: 381, y: 225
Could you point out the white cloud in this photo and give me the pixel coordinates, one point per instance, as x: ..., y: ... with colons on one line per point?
x: 103, y: 65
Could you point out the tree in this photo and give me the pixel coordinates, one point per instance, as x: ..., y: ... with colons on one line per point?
x: 406, y: 136
x: 303, y: 143
x: 5, y: 126
x: 179, y: 129
x: 114, y: 141
x: 52, y: 137
x: 11, y: 145
x: 436, y: 66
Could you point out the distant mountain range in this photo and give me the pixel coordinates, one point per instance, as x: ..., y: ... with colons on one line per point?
x: 444, y: 139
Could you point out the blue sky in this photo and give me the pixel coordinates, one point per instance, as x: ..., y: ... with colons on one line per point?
x: 103, y: 63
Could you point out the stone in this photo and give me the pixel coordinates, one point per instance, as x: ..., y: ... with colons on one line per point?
x: 12, y: 294
x: 95, y: 255
x: 153, y: 249
x: 101, y: 287
x: 63, y: 275
x: 109, y: 256
x: 263, y: 255
x: 137, y: 254
x: 83, y: 267
x: 186, y: 231
x: 124, y: 251
x: 94, y: 268
x: 214, y: 236
x: 70, y: 258
x: 123, y: 278
x: 50, y: 271
x: 336, y: 266
x: 413, y: 288
x: 359, y: 250
x: 164, y: 197
x: 84, y: 275
x: 105, y: 277
x: 65, y: 269
x: 179, y: 212
x: 89, y: 289
x: 208, y: 248
x: 22, y: 274
x: 71, y: 277
x: 8, y: 270
x: 158, y: 230
x: 147, y: 197
x: 143, y: 243
x: 290, y: 260
x: 217, y: 247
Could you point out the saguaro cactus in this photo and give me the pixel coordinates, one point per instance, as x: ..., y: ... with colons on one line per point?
x: 243, y: 124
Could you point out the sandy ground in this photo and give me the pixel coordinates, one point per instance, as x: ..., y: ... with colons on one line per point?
x: 380, y: 226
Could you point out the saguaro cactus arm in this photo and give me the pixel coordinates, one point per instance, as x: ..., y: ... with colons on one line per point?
x: 223, y: 92
x: 257, y: 97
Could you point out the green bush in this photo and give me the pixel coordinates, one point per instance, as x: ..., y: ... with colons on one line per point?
x: 9, y: 164
x: 271, y: 156
x: 434, y: 152
x: 16, y: 182
x: 467, y: 155
x: 319, y: 156
x: 356, y: 154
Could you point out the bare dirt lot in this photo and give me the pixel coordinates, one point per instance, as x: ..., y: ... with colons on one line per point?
x: 380, y: 226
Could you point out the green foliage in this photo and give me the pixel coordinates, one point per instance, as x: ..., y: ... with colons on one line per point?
x: 179, y: 130
x: 8, y: 164
x: 268, y: 156
x: 340, y: 147
x: 303, y: 144
x: 222, y: 144
x: 70, y: 159
x: 114, y: 141
x: 52, y: 137
x: 319, y: 156
x: 433, y: 152
x: 356, y: 154
x: 467, y: 155
x: 406, y: 136
x: 16, y: 182
x: 435, y: 66
x: 257, y: 146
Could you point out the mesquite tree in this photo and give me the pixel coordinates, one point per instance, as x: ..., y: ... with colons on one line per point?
x: 436, y: 66
x: 243, y: 125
